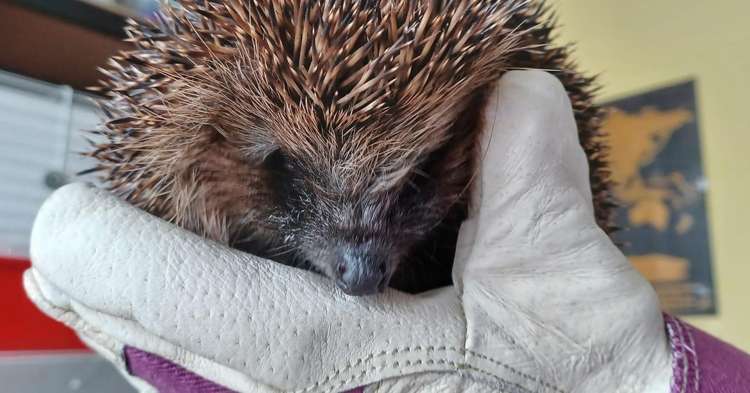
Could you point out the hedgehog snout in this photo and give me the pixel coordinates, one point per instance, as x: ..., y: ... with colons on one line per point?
x: 361, y: 269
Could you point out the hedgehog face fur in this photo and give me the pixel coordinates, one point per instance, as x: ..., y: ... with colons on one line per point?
x: 334, y: 135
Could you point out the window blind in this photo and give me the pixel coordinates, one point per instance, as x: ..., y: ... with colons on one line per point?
x: 41, y: 131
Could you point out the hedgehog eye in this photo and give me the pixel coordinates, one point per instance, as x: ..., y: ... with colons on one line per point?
x: 278, y: 161
x: 284, y: 180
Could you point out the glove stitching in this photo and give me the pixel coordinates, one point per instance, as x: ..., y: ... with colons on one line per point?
x: 460, y: 366
x: 679, y: 364
x: 694, y: 359
x: 430, y: 349
x: 685, y: 371
x: 466, y: 351
x: 372, y: 356
x: 514, y: 371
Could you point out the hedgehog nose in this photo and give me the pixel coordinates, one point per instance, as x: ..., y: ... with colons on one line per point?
x: 360, y: 273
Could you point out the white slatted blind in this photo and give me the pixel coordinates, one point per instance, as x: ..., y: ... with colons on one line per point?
x: 40, y: 129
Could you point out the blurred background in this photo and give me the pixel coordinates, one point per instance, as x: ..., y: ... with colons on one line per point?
x: 674, y: 77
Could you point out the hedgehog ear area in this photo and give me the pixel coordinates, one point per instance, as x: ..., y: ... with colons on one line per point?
x: 394, y: 179
x: 259, y: 154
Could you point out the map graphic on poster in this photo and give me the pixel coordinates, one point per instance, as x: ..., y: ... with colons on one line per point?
x: 657, y: 167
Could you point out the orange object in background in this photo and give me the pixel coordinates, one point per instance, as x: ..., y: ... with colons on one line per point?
x: 23, y: 327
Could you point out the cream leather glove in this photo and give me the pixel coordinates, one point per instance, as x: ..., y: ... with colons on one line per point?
x: 543, y: 301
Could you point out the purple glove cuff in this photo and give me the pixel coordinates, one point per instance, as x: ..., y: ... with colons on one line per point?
x: 704, y: 364
x: 168, y: 377
x: 700, y: 364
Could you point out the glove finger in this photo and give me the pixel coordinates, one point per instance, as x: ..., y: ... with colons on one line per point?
x: 533, y: 183
x: 530, y: 141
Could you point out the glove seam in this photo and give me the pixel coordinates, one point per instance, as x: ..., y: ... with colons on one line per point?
x: 360, y: 361
x: 465, y: 365
x: 514, y: 371
x: 684, y: 357
x: 466, y: 352
x: 396, y: 365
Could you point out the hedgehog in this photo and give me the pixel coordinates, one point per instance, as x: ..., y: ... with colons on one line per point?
x: 339, y: 136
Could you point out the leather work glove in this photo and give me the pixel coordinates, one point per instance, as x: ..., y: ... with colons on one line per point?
x: 543, y: 301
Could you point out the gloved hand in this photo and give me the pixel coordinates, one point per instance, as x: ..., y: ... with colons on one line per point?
x: 543, y: 301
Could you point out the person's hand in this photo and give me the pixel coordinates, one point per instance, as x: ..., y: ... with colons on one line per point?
x: 543, y: 301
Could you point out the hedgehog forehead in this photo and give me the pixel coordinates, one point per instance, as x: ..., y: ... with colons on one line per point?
x: 333, y: 135
x: 354, y: 157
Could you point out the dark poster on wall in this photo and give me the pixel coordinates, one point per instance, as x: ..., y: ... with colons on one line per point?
x: 660, y: 186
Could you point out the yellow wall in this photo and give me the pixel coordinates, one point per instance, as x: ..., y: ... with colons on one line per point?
x: 641, y: 44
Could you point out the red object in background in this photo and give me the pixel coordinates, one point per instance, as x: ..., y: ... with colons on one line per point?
x: 23, y: 326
